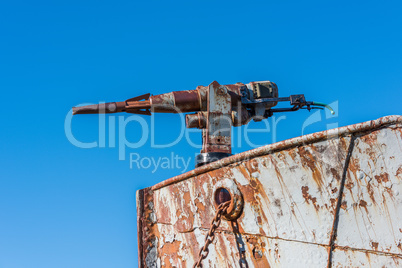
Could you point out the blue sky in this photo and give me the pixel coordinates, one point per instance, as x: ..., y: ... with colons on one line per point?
x: 64, y: 206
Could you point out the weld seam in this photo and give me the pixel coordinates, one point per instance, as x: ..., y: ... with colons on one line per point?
x: 370, y: 251
x: 248, y: 234
x: 334, y: 230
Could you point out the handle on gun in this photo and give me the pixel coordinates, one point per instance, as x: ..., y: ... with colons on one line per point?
x: 324, y: 105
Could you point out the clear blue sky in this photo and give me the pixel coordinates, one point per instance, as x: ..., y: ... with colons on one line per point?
x: 63, y: 206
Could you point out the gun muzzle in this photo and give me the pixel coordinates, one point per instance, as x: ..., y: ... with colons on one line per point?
x: 137, y: 105
x: 103, y: 108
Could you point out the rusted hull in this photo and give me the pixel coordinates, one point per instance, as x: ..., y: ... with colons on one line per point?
x: 329, y: 199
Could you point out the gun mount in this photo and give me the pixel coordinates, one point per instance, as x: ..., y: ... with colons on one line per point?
x: 214, y: 109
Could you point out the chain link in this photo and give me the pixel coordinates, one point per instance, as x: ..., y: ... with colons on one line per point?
x: 209, y: 238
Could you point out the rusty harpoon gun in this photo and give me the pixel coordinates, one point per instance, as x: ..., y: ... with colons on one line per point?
x: 217, y: 108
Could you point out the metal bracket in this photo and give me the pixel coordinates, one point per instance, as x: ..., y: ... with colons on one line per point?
x: 294, y: 100
x: 217, y: 135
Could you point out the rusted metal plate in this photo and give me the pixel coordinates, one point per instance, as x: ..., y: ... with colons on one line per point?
x: 290, y: 208
x: 371, y: 217
x: 346, y: 257
x: 177, y: 250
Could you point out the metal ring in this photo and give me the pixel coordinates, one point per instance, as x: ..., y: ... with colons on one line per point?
x: 236, y: 198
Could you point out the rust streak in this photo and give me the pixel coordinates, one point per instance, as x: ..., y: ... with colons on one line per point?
x: 309, y: 198
x: 382, y: 178
x: 339, y: 203
x: 374, y: 245
x: 384, y: 253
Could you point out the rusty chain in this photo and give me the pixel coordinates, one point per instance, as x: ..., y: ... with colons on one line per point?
x: 209, y: 238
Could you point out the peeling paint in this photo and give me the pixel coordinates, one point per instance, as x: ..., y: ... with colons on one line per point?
x: 290, y: 191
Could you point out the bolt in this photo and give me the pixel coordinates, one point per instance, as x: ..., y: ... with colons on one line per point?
x: 221, y: 91
x: 257, y: 253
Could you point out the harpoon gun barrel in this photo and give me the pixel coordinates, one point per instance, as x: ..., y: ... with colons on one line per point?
x: 172, y: 102
x: 215, y: 109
